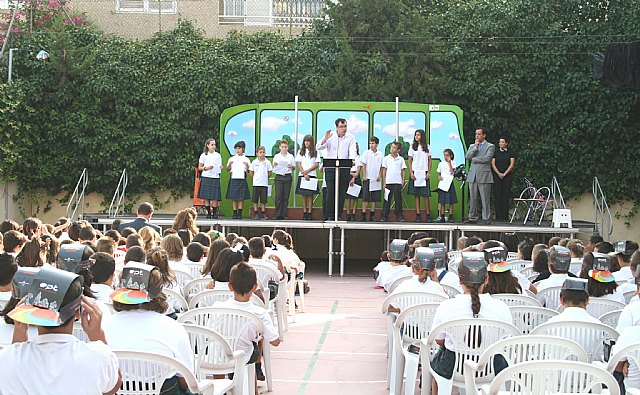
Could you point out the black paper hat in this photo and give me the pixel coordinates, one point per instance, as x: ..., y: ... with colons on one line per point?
x: 398, y: 250
x: 576, y: 284
x: 473, y: 268
x: 44, y: 296
x: 560, y: 258
x: 70, y: 257
x: 440, y: 252
x: 425, y: 257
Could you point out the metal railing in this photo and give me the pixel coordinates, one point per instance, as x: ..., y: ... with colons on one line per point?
x: 604, y: 221
x: 293, y: 13
x: 117, y: 202
x: 556, y: 195
x: 77, y: 197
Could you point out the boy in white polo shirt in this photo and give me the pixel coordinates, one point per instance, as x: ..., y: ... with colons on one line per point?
x: 260, y: 171
x: 56, y: 362
x: 372, y: 171
x: 574, y: 298
x: 393, y: 173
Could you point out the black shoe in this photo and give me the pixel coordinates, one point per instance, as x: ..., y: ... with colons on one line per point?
x: 487, y: 222
x: 260, y: 374
x: 470, y: 221
x: 400, y: 218
x: 418, y: 218
x: 348, y: 217
x: 373, y: 217
x: 353, y: 216
x: 363, y: 218
x: 451, y: 219
x: 383, y: 219
x: 428, y: 218
x: 441, y: 219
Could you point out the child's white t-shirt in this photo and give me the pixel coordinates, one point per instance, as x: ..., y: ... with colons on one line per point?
x: 394, y: 168
x: 211, y: 159
x: 420, y: 159
x: 373, y: 160
x: 306, y: 162
x: 281, y: 163
x: 238, y: 167
x: 443, y: 167
x: 260, y: 169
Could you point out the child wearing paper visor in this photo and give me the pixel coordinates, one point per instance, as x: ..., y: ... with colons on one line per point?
x: 56, y: 362
x: 140, y: 323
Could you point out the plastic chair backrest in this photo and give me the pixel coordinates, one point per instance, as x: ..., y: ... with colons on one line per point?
x: 525, y: 318
x: 143, y: 373
x: 550, y: 297
x: 451, y: 291
x: 575, y: 267
x: 414, y: 323
x: 628, y: 295
x: 264, y: 274
x: 543, y: 377
x: 518, y: 349
x: 194, y: 287
x: 403, y: 300
x: 589, y: 335
x: 471, y: 336
x: 182, y: 278
x: 517, y: 300
x: 597, y: 307
x: 527, y: 271
x: 78, y: 331
x: 195, y: 268
x: 630, y: 352
x: 176, y: 297
x: 208, y: 297
x: 398, y: 281
x: 610, y: 318
x: 512, y: 256
x: 519, y: 264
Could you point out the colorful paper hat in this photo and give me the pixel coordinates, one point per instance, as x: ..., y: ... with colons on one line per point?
x: 473, y: 268
x: 575, y: 284
x: 497, y: 259
x: 398, y: 250
x: 425, y: 258
x: 560, y: 258
x: 70, y: 257
x: 440, y: 252
x: 44, y: 296
x: 136, y: 285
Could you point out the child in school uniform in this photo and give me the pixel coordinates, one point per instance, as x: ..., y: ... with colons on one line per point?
x: 210, y: 164
x: 352, y: 201
x: 238, y: 189
x: 260, y: 171
x: 283, y: 164
x: 420, y: 168
x: 393, y: 173
x: 371, y: 162
x: 445, y: 169
x: 307, y: 161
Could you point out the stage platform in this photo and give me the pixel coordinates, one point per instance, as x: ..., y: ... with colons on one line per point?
x: 337, y: 238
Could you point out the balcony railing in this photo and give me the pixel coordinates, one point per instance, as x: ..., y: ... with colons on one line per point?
x: 297, y: 13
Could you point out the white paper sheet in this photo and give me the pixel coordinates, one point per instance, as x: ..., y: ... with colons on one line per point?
x: 445, y: 184
x: 311, y: 185
x: 354, y: 190
x: 269, y: 189
x: 420, y: 180
x: 237, y: 169
x: 386, y: 194
x: 375, y: 185
x: 280, y: 167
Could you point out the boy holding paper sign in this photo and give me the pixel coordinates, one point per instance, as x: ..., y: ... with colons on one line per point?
x: 446, y: 195
x: 393, y: 173
x: 372, y: 170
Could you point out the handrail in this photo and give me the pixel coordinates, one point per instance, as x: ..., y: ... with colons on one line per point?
x: 77, y: 197
x: 603, y: 213
x: 119, y: 193
x: 556, y: 193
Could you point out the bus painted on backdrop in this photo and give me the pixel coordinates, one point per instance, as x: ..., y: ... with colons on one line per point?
x: 268, y: 123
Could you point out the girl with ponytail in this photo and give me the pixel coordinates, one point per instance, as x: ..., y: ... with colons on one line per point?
x: 473, y: 303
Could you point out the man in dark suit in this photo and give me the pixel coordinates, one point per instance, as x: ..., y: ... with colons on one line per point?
x: 145, y: 212
x: 480, y: 177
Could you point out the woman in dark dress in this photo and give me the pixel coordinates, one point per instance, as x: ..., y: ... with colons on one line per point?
x: 503, y: 164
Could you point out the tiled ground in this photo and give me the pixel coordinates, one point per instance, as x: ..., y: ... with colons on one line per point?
x: 338, y: 345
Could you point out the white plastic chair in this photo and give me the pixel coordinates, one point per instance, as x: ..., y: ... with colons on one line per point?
x: 412, y: 324
x: 195, y: 268
x: 575, y: 267
x: 78, y: 331
x: 182, y: 278
x: 195, y: 286
x: 143, y: 373
x: 552, y: 377
x: 451, y: 291
x: 550, y: 297
x: 174, y: 298
x: 529, y: 293
x: 398, y: 281
x: 520, y: 349
x: 214, y: 356
x: 532, y: 277
x: 454, y: 258
x: 512, y: 256
x: 276, y: 305
x: 231, y: 323
x: 402, y: 300
x: 630, y: 352
x: 527, y: 271
x: 519, y: 264
x: 517, y: 300
x: 208, y: 297
x: 598, y: 307
x: 628, y: 295
x: 471, y: 336
x: 610, y: 318
x: 590, y: 336
x: 525, y: 318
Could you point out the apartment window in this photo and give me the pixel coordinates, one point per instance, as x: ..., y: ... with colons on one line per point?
x: 270, y: 12
x: 147, y: 6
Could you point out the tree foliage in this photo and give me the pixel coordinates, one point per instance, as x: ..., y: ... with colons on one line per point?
x: 517, y: 67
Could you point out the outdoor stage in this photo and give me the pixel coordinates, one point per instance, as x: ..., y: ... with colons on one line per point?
x: 336, y: 233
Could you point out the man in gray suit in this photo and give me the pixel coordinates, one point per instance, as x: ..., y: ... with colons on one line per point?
x: 480, y: 178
